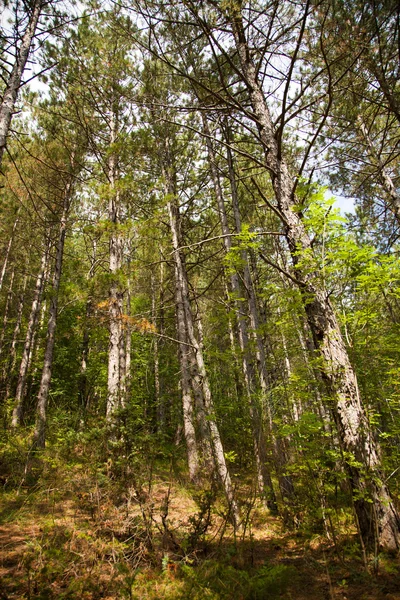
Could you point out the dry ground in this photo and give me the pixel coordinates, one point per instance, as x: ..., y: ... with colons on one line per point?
x: 86, y: 545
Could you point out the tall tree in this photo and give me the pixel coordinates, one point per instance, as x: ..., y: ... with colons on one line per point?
x: 223, y: 25
x: 67, y: 192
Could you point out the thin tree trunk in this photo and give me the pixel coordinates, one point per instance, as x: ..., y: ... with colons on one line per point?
x: 376, y: 514
x: 389, y: 92
x: 260, y: 452
x: 26, y: 353
x: 10, y: 365
x: 35, y: 347
x: 198, y: 392
x: 232, y: 339
x: 122, y: 362
x: 165, y: 405
x: 115, y: 297
x: 303, y: 334
x: 39, y: 436
x: 128, y: 343
x: 83, y: 383
x: 15, y: 78
x: 7, y: 309
x: 293, y: 407
x: 182, y: 284
x: 160, y: 416
x: 8, y: 250
x: 280, y: 460
x: 83, y: 380
x: 187, y: 400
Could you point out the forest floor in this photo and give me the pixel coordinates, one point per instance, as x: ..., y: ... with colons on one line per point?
x: 78, y: 538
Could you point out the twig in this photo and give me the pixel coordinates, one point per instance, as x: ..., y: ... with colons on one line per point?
x: 219, y: 237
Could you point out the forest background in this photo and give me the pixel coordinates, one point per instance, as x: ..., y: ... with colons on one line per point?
x: 198, y: 350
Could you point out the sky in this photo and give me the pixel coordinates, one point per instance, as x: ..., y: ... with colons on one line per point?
x: 346, y: 205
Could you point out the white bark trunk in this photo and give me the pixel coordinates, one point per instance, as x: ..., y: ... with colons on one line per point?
x: 8, y: 374
x: 115, y: 296
x: 7, y: 309
x: 187, y: 400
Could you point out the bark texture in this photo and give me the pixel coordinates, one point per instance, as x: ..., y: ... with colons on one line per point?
x: 189, y: 428
x: 383, y: 174
x: 8, y: 250
x: 115, y: 296
x: 9, y: 366
x: 378, y: 520
x: 7, y: 309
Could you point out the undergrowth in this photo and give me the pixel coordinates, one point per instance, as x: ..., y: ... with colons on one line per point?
x: 93, y: 521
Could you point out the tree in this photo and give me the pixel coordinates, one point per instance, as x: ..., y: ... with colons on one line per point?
x: 379, y: 517
x: 67, y: 193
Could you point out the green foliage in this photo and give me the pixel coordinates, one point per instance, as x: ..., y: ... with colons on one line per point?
x: 216, y: 581
x: 245, y: 240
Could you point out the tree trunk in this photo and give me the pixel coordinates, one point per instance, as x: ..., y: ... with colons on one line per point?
x: 7, y: 309
x: 215, y: 439
x: 259, y: 442
x: 128, y: 343
x: 83, y: 390
x: 83, y: 382
x: 39, y: 436
x: 8, y: 250
x: 376, y: 514
x: 8, y: 374
x: 160, y: 415
x: 122, y: 365
x: 26, y: 353
x: 233, y: 337
x: 115, y: 296
x: 198, y: 392
x: 187, y: 400
x: 386, y: 180
x: 15, y: 78
x: 280, y: 460
x: 389, y: 92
